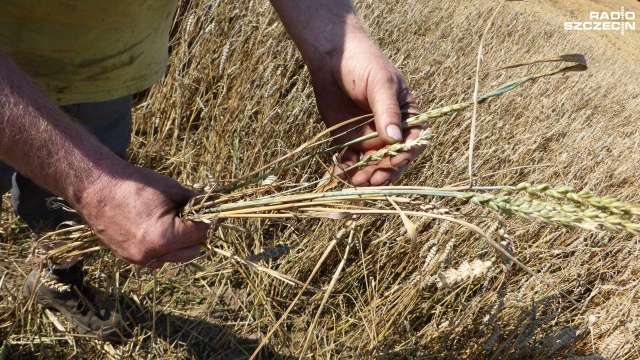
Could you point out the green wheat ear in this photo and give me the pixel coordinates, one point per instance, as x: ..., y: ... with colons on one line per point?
x: 579, y: 209
x: 584, y: 197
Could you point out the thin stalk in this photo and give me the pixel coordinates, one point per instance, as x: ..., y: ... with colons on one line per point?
x: 472, y: 135
x: 329, y: 291
x: 346, y: 194
x: 339, y: 236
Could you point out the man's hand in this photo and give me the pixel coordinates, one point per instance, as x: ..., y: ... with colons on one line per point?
x: 352, y: 77
x: 133, y: 210
x: 135, y: 213
x: 364, y: 81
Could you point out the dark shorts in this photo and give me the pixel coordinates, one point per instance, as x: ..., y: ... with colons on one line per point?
x: 109, y: 121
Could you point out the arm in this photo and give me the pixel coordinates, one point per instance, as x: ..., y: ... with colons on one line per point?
x: 133, y: 210
x: 351, y: 77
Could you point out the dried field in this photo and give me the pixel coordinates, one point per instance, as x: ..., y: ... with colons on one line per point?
x: 237, y: 96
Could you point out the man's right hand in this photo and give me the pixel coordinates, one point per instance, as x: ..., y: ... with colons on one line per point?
x: 135, y: 213
x: 133, y: 210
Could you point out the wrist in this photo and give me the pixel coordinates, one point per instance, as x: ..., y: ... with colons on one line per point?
x: 326, y: 52
x: 321, y: 29
x: 94, y: 189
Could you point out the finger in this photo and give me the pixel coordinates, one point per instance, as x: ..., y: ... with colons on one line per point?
x: 383, y: 100
x: 167, y: 186
x: 362, y: 178
x: 375, y: 175
x: 390, y: 169
x: 189, y: 233
x: 402, y: 159
x: 384, y: 173
x: 408, y: 103
x: 153, y: 265
x: 180, y: 255
x: 347, y: 160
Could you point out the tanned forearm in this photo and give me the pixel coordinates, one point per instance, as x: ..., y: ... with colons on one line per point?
x: 320, y: 28
x: 133, y: 210
x: 45, y: 144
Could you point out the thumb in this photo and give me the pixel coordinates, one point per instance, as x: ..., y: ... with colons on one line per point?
x: 189, y: 233
x: 180, y: 255
x: 383, y: 100
x: 188, y: 237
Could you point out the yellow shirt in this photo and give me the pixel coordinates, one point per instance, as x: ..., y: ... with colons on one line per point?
x: 88, y: 50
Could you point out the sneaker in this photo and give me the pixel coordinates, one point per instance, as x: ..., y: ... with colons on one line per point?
x: 63, y: 290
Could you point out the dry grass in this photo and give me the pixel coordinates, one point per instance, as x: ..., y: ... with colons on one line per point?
x: 235, y: 93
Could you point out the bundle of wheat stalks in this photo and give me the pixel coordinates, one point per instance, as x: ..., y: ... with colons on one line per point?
x: 563, y: 206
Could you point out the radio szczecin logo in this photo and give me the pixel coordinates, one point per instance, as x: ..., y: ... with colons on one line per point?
x: 605, y: 21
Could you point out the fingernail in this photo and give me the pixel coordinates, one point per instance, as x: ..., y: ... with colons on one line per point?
x: 386, y: 182
x: 402, y: 163
x: 394, y: 132
x: 364, y: 184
